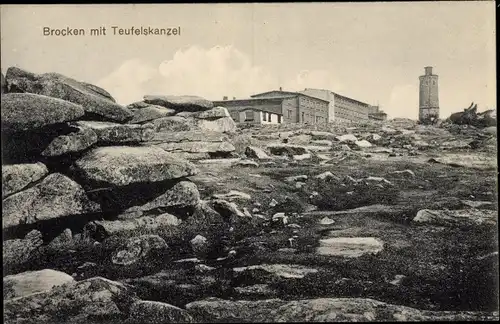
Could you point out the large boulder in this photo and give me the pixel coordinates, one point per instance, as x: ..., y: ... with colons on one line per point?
x: 113, y: 133
x: 150, y: 113
x: 173, y: 124
x: 320, y: 310
x: 214, y: 113
x: 96, y: 102
x: 256, y: 153
x: 101, y: 230
x: 78, y: 141
x: 88, y: 301
x: 31, y: 282
x: 182, y: 194
x: 223, y: 125
x: 287, y: 149
x: 180, y: 103
x: 17, y: 251
x: 27, y: 146
x: 26, y: 111
x: 16, y: 177
x: 140, y: 249
x: 56, y: 196
x: 461, y: 217
x: 125, y: 165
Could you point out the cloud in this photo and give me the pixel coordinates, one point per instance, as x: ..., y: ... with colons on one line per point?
x: 126, y: 83
x: 211, y: 73
x: 320, y: 79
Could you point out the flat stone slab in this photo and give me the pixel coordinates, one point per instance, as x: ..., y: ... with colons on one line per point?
x: 474, y: 161
x: 322, y: 310
x: 462, y: 217
x: 32, y: 282
x: 197, y: 147
x: 350, y: 247
x: 180, y: 103
x: 124, y: 165
x: 27, y: 111
x: 54, y: 197
x: 280, y: 270
x: 188, y: 136
x: 15, y: 177
x: 113, y: 133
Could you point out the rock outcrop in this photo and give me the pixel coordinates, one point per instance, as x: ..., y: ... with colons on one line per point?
x: 56, y: 196
x: 95, y: 101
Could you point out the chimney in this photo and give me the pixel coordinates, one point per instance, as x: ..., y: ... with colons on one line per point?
x: 428, y: 70
x: 280, y: 89
x: 234, y: 98
x: 224, y: 98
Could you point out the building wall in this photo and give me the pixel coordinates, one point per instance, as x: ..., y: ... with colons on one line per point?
x: 290, y: 108
x: 325, y: 95
x: 347, y: 109
x: 312, y: 110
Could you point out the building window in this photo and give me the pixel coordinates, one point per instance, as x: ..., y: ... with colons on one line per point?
x: 303, y: 116
x: 289, y: 113
x: 249, y: 115
x: 279, y: 119
x: 264, y: 116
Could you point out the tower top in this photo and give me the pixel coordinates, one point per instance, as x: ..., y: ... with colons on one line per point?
x: 428, y: 70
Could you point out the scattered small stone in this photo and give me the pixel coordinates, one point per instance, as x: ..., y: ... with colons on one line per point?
x: 246, y: 212
x: 476, y: 204
x: 378, y: 179
x: 233, y: 195
x: 302, y: 157
x: 409, y: 172
x: 296, y: 178
x: 326, y: 221
x: 397, y: 280
x: 363, y: 143
x: 326, y: 175
x: 347, y: 138
x: 273, y: 203
x: 203, y: 268
x: 299, y: 185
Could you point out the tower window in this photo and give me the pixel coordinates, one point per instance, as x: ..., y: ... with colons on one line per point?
x: 433, y: 82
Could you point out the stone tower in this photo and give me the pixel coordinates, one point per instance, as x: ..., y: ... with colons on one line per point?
x: 429, y: 99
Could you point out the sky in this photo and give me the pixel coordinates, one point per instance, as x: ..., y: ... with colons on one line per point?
x: 372, y: 52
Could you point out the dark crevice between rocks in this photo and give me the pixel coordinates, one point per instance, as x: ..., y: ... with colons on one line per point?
x: 53, y: 227
x: 27, y: 146
x: 220, y: 155
x: 90, y: 116
x: 117, y: 199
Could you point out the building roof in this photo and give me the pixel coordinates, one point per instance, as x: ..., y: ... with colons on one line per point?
x: 336, y: 94
x: 254, y: 108
x: 277, y: 98
x: 287, y: 94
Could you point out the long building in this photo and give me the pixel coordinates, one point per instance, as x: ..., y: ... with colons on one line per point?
x: 275, y: 107
x: 340, y: 108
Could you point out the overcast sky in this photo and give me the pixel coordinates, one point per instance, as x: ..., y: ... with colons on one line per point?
x: 372, y: 52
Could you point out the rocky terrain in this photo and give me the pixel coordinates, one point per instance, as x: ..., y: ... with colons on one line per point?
x: 165, y: 211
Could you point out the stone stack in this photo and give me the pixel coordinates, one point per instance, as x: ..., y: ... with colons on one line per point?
x: 75, y: 161
x: 187, y: 126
